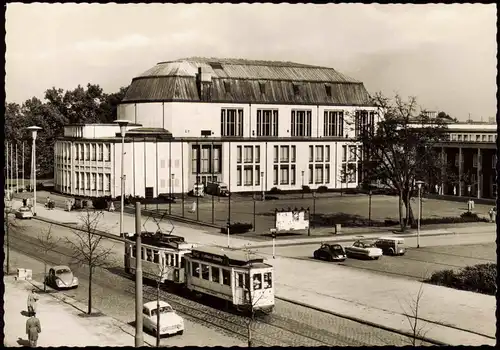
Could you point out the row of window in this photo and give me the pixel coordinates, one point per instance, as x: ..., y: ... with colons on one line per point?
x: 475, y: 161
x: 153, y: 255
x: 206, y: 159
x: 322, y: 154
x: 300, y: 124
x: 286, y: 154
x: 248, y: 153
x: 473, y: 137
x: 321, y: 173
x: 92, y: 181
x: 84, y: 151
x: 284, y: 174
x: 245, y: 175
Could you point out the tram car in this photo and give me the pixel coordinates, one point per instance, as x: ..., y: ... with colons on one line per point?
x: 240, y: 278
x: 161, y: 255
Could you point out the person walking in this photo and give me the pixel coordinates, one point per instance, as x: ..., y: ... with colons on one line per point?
x: 32, y: 300
x: 33, y: 328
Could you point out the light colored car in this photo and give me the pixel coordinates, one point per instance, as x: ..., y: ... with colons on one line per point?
x: 364, y: 249
x: 61, y: 277
x: 24, y: 213
x: 170, y: 321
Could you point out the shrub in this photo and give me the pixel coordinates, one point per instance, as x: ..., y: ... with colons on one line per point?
x: 237, y: 227
x: 306, y: 189
x: 469, y: 215
x: 478, y: 278
x: 275, y: 190
x: 322, y: 189
x: 99, y: 203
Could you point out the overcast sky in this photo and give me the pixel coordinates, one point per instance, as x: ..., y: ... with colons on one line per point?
x: 445, y: 55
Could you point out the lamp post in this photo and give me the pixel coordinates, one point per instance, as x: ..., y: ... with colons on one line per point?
x: 170, y: 190
x: 302, y: 173
x: 262, y: 185
x: 370, y: 207
x: 314, y: 207
x: 419, y: 185
x: 34, y: 130
x: 123, y: 130
x: 253, y: 197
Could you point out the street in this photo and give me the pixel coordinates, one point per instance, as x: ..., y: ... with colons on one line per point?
x: 113, y: 292
x: 435, y: 253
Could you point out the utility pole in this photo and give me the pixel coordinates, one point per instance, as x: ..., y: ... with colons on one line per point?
x: 139, y: 338
x: 24, y: 187
x: 7, y: 255
x: 17, y: 171
x: 7, y: 167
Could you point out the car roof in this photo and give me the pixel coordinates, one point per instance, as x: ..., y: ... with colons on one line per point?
x: 152, y: 304
x: 60, y: 267
x: 392, y: 238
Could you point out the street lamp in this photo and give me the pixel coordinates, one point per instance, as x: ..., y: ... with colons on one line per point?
x: 262, y: 185
x: 302, y: 172
x: 419, y: 185
x: 171, y: 198
x: 34, y: 130
x: 370, y: 207
x: 123, y: 130
x: 314, y: 207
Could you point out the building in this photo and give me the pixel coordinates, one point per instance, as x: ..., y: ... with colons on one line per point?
x: 471, y: 156
x: 254, y: 125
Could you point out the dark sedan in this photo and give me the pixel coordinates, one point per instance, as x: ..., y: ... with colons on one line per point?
x: 330, y: 252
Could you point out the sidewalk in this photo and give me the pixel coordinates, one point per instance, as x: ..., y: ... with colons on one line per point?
x: 380, y: 300
x: 62, y: 323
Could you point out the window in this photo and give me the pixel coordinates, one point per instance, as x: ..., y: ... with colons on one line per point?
x: 231, y: 122
x: 483, y: 138
x: 101, y: 182
x: 319, y: 173
x: 327, y: 173
x: 466, y: 137
x: 478, y: 137
x: 241, y: 280
x: 257, y: 281
x: 319, y: 153
x: 333, y: 123
x: 156, y: 256
x: 149, y: 254
x: 108, y: 182
x: 238, y: 154
x: 248, y: 154
x: 474, y: 160
x: 82, y: 150
x: 94, y: 151
x: 311, y: 174
x: 262, y: 87
x: 268, y: 282
x: 87, y: 175
x: 494, y: 161
x: 227, y: 87
x: 454, y: 137
x: 301, y: 123
x: 238, y: 175
x: 216, y: 164
x: 257, y: 154
x: 459, y: 137
x: 93, y: 181
x: 100, y: 152
x: 87, y: 152
x: 352, y: 153
x: 284, y: 175
x: 344, y: 153
x: 276, y: 151
x: 311, y: 153
x: 248, y: 175
x: 296, y: 89
x: 77, y: 180
x: 205, y: 272
x: 267, y: 122
x: 257, y: 175
x: 364, y: 122
x: 490, y: 138
x: 134, y: 252
x: 195, y: 269
x: 226, y: 277
x: 328, y: 90
x: 275, y: 175
x: 215, y: 274
x: 108, y: 152
x: 327, y: 153
x: 293, y: 154
x: 284, y: 154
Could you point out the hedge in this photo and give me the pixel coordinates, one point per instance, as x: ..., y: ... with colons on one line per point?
x: 477, y: 278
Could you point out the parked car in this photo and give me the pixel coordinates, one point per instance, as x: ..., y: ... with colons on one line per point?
x: 24, y: 213
x: 217, y: 189
x: 391, y: 245
x: 61, y: 277
x: 330, y: 252
x: 170, y: 321
x: 364, y: 249
x: 166, y: 197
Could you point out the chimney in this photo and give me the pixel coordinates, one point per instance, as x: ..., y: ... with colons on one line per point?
x: 204, y: 83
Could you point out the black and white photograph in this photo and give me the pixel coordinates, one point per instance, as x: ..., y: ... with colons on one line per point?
x: 250, y: 175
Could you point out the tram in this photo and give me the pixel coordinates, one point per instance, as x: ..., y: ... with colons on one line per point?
x: 161, y: 254
x: 240, y: 278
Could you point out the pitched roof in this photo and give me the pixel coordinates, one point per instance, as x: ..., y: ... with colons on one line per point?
x: 246, y: 81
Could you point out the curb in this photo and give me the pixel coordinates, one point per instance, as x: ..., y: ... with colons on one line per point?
x: 78, y: 306
x: 368, y: 323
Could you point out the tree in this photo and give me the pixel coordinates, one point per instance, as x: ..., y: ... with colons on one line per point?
x: 445, y: 116
x: 417, y: 330
x: 87, y: 246
x: 401, y: 149
x: 346, y: 172
x: 48, y: 244
x: 162, y: 270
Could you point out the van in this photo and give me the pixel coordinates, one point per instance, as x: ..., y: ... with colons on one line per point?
x: 391, y: 245
x: 198, y: 190
x: 217, y: 189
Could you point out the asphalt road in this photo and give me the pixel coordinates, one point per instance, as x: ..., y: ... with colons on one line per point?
x: 435, y: 253
x: 113, y: 294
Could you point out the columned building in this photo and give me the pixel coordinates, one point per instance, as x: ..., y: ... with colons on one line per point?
x: 253, y: 125
x: 471, y: 157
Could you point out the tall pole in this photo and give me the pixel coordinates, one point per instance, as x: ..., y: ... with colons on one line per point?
x: 418, y: 223
x: 182, y: 174
x: 229, y: 195
x: 7, y: 168
x: 122, y: 181
x: 139, y: 341
x: 370, y: 208
x: 198, y: 154
x: 11, y: 163
x: 253, y: 197
x: 34, y: 130
x: 22, y: 164
x: 262, y: 185
x: 7, y: 227
x: 170, y: 177
x: 212, y: 159
x: 17, y: 171
x: 302, y: 173
x: 314, y: 207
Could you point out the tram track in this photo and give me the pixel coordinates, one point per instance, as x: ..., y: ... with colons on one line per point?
x: 272, y: 330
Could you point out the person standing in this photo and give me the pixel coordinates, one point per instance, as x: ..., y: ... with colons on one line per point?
x: 33, y: 328
x: 32, y: 300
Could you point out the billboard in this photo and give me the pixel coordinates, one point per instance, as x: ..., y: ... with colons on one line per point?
x: 291, y: 220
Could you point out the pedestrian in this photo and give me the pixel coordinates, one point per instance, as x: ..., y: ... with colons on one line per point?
x: 25, y: 202
x: 32, y: 300
x: 112, y: 207
x: 492, y: 212
x: 33, y: 328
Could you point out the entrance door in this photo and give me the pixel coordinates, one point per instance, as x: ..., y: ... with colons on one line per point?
x: 239, y: 287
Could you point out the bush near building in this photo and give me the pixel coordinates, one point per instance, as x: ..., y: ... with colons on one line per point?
x: 478, y: 278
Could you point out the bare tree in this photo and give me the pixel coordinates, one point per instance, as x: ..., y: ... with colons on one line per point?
x: 48, y: 244
x: 411, y: 312
x: 163, y: 271
x: 87, y: 246
x: 346, y: 172
x: 400, y: 149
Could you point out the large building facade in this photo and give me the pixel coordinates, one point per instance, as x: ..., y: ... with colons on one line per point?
x: 254, y: 125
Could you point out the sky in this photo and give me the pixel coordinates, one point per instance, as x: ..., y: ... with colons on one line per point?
x: 444, y: 55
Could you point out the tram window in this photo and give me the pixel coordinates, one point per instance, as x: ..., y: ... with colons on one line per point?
x: 241, y: 281
x: 268, y: 283
x: 257, y: 281
x: 215, y: 274
x: 156, y: 257
x: 149, y: 255
x: 142, y: 254
x: 226, y: 277
x: 196, y: 269
x: 205, y: 272
x: 176, y: 260
x: 134, y: 252
x: 183, y: 262
x: 247, y: 281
